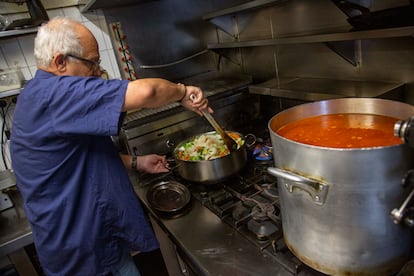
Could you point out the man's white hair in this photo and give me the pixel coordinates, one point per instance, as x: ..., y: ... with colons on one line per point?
x: 57, y: 35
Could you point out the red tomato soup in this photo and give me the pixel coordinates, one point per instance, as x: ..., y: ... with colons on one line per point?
x: 347, y: 130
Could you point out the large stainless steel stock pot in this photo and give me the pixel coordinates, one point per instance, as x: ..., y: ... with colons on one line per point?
x: 336, y: 202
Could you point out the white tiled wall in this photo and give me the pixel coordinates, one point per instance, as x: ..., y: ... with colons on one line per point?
x: 17, y: 53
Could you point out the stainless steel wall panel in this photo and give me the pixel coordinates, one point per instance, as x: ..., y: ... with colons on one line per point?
x: 160, y: 32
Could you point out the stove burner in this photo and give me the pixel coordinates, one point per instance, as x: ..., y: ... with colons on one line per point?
x: 220, y: 197
x: 262, y: 229
x: 263, y: 211
x: 240, y: 212
x: 263, y: 152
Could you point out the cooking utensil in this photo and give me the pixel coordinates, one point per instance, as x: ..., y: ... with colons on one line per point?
x: 228, y: 141
x: 168, y: 196
x: 336, y: 211
x: 212, y: 171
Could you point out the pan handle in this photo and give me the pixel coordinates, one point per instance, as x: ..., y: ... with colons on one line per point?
x: 250, y: 140
x: 172, y: 164
x: 317, y: 190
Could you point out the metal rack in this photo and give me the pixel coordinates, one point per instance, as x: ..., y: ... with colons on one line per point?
x: 11, y: 33
x: 347, y: 44
x: 316, y: 38
x: 10, y: 93
x: 317, y: 89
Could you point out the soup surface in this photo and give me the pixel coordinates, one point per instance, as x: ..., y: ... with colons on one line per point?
x: 347, y: 130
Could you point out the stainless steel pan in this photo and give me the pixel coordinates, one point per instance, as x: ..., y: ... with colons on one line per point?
x: 211, y: 171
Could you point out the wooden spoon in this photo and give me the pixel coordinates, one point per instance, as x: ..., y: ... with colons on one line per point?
x: 228, y: 141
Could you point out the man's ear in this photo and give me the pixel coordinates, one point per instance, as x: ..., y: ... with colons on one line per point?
x: 59, y: 62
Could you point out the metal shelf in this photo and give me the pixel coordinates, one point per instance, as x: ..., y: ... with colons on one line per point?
x: 10, y: 33
x: 331, y: 37
x: 243, y: 7
x: 9, y: 93
x: 317, y: 89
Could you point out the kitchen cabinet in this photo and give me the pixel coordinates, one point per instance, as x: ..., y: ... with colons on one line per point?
x: 347, y: 44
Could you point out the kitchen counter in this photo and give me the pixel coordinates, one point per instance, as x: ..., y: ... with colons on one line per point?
x: 15, y: 231
x: 212, y: 246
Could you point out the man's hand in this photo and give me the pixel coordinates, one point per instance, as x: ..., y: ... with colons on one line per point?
x: 194, y: 100
x: 152, y: 163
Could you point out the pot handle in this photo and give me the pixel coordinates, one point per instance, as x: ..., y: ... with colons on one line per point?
x: 405, y: 213
x: 317, y: 190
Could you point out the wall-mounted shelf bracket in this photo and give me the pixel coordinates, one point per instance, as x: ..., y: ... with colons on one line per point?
x: 225, y: 53
x: 225, y: 19
x: 226, y: 24
x: 348, y: 50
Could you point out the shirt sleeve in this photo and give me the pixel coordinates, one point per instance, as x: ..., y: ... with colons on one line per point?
x: 87, y: 106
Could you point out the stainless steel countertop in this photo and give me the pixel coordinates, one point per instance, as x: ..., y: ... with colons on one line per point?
x: 211, y: 245
x: 15, y: 231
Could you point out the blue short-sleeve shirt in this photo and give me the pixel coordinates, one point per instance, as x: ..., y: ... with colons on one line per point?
x: 77, y: 194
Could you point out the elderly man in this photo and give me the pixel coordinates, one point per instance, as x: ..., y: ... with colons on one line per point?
x: 82, y: 208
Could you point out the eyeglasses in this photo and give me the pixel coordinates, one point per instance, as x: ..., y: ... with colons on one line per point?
x: 94, y: 65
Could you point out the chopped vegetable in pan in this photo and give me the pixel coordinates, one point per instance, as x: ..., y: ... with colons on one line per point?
x: 206, y: 146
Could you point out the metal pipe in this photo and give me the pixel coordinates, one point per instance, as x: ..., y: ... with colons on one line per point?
x: 172, y: 63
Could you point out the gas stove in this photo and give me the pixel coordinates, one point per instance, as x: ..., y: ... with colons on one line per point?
x: 230, y: 227
x: 248, y: 202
